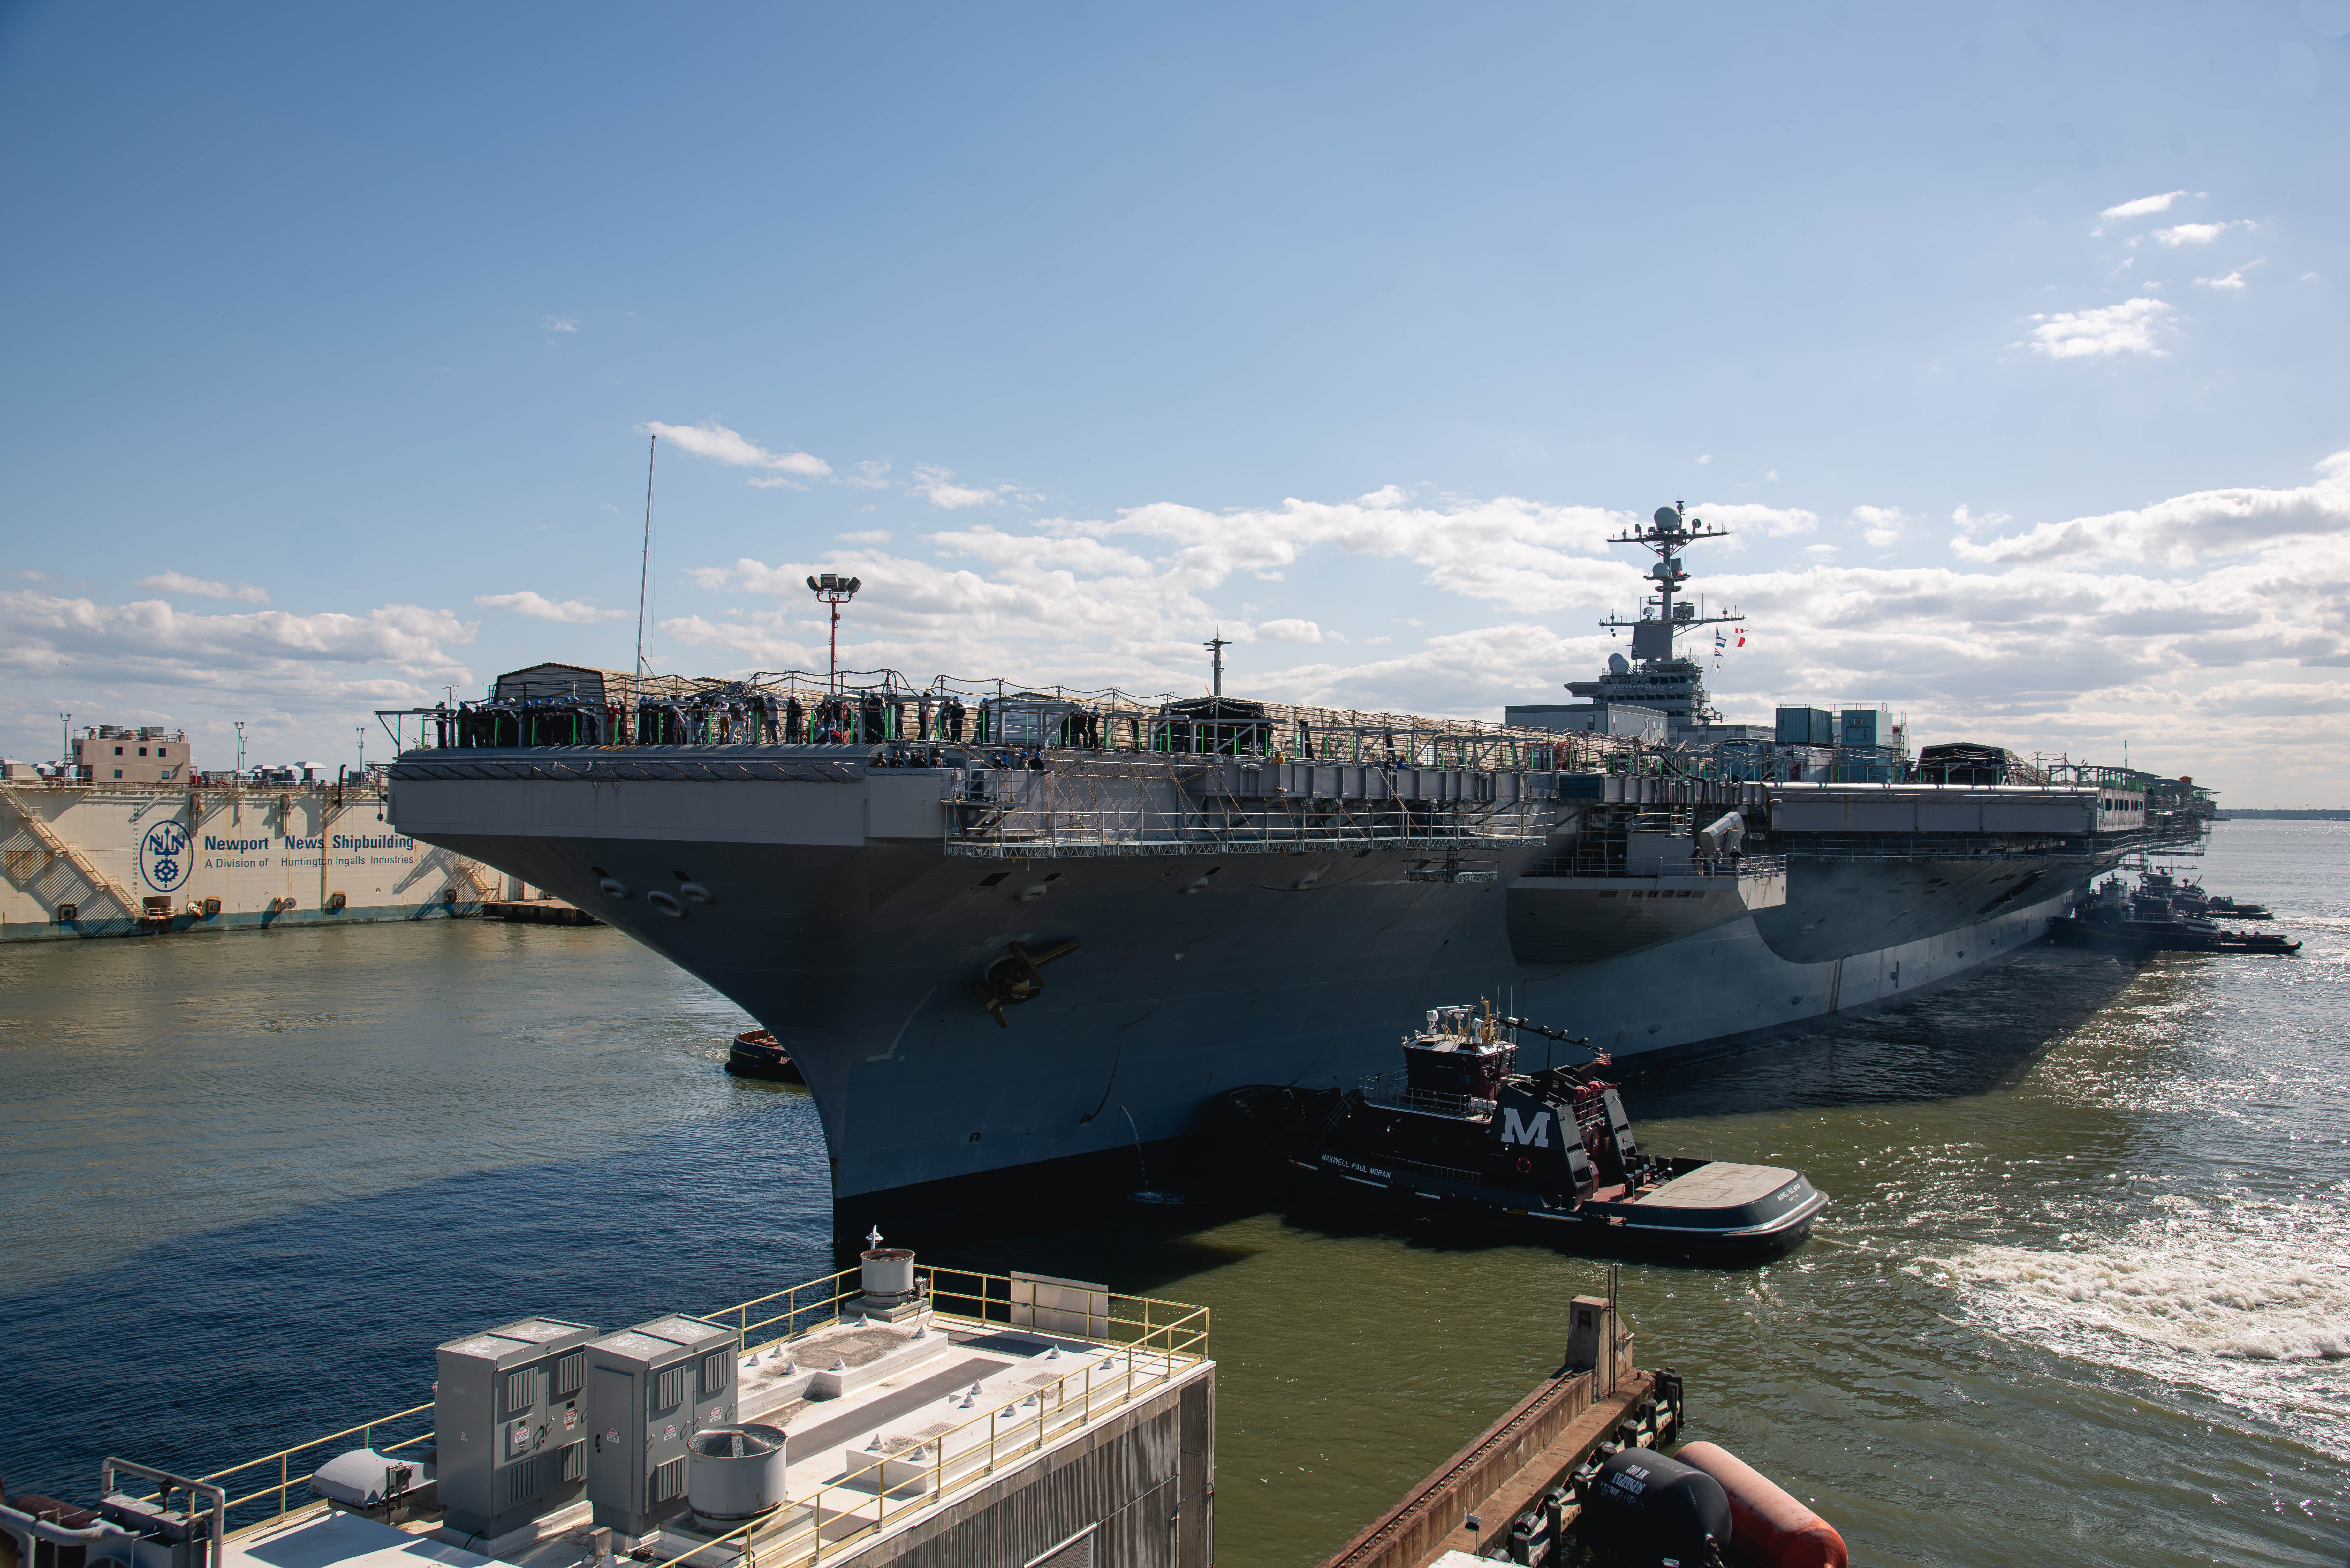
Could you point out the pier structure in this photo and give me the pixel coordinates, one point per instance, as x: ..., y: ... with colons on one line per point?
x: 213, y: 852
x: 1513, y: 1492
x: 911, y: 1415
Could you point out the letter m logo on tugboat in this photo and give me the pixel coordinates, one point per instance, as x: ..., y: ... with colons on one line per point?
x: 1534, y: 1134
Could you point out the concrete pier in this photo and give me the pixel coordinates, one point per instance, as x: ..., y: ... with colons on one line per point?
x: 1515, y: 1478
x: 916, y: 1417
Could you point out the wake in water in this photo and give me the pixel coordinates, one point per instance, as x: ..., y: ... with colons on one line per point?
x: 2250, y: 1306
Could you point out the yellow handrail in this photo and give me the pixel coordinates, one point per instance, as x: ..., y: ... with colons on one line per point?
x: 804, y: 1540
x: 1176, y: 1346
x: 284, y: 1456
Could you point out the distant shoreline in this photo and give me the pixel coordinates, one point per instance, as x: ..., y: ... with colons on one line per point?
x: 2301, y: 813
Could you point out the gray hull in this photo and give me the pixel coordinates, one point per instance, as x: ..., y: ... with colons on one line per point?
x: 830, y: 910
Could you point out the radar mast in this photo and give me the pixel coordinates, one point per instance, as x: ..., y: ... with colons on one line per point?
x: 1657, y: 677
x: 1666, y: 534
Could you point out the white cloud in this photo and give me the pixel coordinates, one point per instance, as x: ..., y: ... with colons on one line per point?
x: 866, y: 537
x: 2234, y: 282
x: 774, y: 482
x: 1704, y: 458
x: 2210, y: 627
x: 2140, y: 208
x: 181, y: 583
x: 2200, y: 233
x: 873, y: 473
x: 539, y: 608
x: 1386, y: 495
x: 2180, y: 531
x: 1750, y: 518
x: 1880, y: 526
x: 558, y: 324
x: 49, y: 636
x: 2235, y: 628
x: 2128, y: 328
x: 1125, y: 599
x: 716, y: 442
x: 937, y: 487
x: 300, y: 681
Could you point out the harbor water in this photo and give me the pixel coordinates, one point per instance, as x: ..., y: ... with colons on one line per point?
x: 2084, y: 1296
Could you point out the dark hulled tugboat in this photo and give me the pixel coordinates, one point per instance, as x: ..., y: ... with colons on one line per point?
x: 2163, y: 917
x: 2221, y: 907
x: 1553, y: 1149
x: 756, y: 1055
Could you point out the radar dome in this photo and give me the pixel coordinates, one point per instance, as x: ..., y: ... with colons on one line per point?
x: 1618, y: 665
x: 1668, y: 516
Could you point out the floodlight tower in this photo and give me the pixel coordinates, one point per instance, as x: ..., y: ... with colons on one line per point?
x: 836, y: 591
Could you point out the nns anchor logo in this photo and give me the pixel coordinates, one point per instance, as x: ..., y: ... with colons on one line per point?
x: 1534, y: 1134
x: 163, y: 856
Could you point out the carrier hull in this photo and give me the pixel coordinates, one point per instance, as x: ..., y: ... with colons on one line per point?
x: 837, y: 919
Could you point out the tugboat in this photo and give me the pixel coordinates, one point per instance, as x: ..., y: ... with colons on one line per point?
x: 756, y: 1055
x: 1551, y: 1149
x: 2151, y: 920
x: 2160, y: 889
x: 2220, y: 907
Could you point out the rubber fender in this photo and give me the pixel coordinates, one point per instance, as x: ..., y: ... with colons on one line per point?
x: 1644, y: 1510
x: 1766, y: 1525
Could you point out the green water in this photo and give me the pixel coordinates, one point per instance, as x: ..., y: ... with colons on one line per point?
x: 2084, y: 1296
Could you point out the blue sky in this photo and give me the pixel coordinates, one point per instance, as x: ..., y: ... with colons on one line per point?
x: 335, y: 339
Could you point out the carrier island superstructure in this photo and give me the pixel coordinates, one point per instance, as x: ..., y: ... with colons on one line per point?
x: 999, y: 927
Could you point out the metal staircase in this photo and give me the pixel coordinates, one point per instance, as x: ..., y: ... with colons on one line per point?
x: 24, y: 869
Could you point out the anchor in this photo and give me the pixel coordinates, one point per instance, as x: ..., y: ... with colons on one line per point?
x: 1015, y: 978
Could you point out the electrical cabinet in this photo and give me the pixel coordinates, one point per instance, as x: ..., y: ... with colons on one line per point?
x: 649, y: 1389
x: 510, y: 1425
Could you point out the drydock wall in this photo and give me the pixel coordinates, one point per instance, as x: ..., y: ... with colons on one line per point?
x: 133, y: 860
x: 1136, y: 1492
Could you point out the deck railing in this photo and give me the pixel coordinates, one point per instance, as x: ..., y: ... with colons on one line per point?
x: 279, y: 1476
x: 874, y: 708
x: 1087, y: 805
x: 1400, y: 1096
x: 1598, y: 863
x: 1138, y: 1344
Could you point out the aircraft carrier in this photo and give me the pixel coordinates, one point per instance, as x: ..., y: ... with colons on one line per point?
x: 1004, y: 929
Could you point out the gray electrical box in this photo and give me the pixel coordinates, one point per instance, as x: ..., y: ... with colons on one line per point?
x: 509, y: 1423
x: 649, y: 1389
